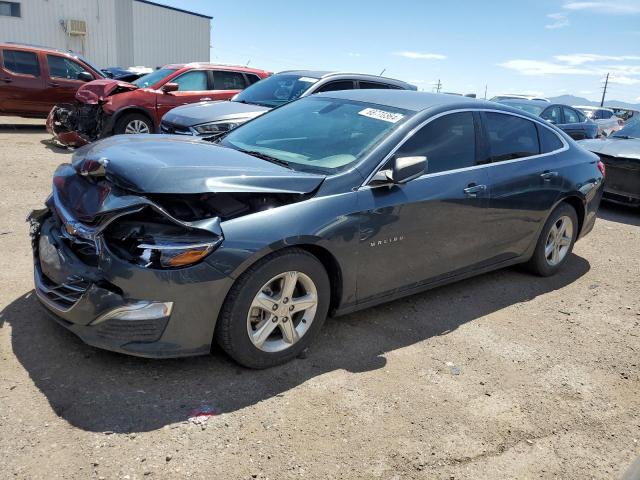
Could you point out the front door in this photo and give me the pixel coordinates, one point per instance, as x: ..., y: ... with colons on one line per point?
x: 572, y: 124
x: 431, y: 227
x: 62, y: 79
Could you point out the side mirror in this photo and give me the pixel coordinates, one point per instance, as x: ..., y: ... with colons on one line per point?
x: 403, y: 170
x: 170, y: 87
x: 85, y: 76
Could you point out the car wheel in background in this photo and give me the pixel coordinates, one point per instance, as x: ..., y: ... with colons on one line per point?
x: 133, y: 123
x: 275, y: 309
x: 555, y: 242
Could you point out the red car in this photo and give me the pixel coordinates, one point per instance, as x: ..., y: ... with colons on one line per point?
x: 105, y: 107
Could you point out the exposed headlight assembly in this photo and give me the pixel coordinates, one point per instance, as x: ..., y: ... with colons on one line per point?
x: 175, y: 254
x: 218, y: 128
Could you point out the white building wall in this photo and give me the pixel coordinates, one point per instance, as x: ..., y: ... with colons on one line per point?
x: 119, y: 32
x: 162, y: 36
x: 40, y: 24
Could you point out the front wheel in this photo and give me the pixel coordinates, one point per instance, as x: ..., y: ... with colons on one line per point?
x: 133, y: 123
x: 555, y: 242
x: 275, y: 309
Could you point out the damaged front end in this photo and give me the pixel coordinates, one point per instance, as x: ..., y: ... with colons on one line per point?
x: 85, y: 120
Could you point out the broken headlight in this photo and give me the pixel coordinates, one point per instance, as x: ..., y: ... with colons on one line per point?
x: 160, y: 245
x: 218, y: 128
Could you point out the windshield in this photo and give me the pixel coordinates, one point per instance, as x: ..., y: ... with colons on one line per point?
x: 630, y: 130
x: 153, y: 77
x: 317, y: 134
x: 526, y: 107
x: 276, y: 90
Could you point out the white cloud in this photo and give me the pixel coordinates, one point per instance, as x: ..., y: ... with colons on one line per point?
x: 580, y: 58
x: 622, y: 80
x: 612, y: 7
x: 354, y: 54
x: 420, y: 55
x: 560, y: 20
x: 536, y: 67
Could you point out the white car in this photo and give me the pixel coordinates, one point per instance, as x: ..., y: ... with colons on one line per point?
x: 604, y: 117
x: 518, y: 96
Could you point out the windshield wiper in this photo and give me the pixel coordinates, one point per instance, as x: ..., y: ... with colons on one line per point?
x: 268, y: 158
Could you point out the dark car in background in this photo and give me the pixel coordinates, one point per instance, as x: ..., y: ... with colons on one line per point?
x: 210, y: 120
x: 620, y: 152
x: 157, y: 245
x: 33, y: 78
x: 571, y: 120
x: 109, y: 106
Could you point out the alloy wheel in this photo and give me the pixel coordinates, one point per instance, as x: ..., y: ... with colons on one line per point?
x: 559, y: 240
x: 282, y: 311
x: 136, y: 126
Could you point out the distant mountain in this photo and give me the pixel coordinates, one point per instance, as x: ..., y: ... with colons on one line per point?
x: 573, y: 100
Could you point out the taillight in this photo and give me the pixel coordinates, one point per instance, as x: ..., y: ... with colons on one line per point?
x: 601, y: 168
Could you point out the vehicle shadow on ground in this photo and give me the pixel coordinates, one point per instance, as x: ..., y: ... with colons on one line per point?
x: 97, y: 390
x: 613, y: 212
x: 51, y: 145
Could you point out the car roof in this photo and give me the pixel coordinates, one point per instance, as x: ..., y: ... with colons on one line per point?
x: 412, y: 100
x: 322, y: 74
x: 221, y: 66
x: 29, y: 46
x: 591, y: 107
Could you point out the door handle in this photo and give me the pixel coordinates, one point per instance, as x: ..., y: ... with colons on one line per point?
x: 547, y: 175
x: 7, y: 80
x: 472, y: 190
x: 53, y: 84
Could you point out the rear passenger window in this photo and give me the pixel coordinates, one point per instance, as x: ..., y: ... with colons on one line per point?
x: 373, y: 85
x: 336, y: 86
x: 511, y: 137
x: 18, y: 61
x: 228, y: 80
x: 448, y: 142
x: 549, y: 141
x: 552, y: 114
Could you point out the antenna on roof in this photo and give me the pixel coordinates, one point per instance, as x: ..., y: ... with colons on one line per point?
x: 383, y: 70
x: 248, y: 62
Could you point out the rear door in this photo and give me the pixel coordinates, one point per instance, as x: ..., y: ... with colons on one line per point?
x: 524, y: 181
x: 432, y: 227
x: 62, y: 78
x: 22, y: 83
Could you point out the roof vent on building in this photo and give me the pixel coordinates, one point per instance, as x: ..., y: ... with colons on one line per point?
x: 75, y: 27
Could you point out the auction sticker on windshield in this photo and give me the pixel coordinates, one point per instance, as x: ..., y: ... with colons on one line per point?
x: 381, y: 115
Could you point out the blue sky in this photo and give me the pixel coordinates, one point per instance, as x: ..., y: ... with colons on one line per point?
x: 548, y: 47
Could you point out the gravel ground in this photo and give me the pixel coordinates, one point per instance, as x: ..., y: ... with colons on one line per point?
x: 502, y: 376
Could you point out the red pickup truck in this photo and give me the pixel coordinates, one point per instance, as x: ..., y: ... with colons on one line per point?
x: 105, y: 107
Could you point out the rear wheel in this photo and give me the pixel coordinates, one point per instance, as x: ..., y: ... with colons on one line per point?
x: 133, y: 123
x: 275, y: 309
x: 555, y: 242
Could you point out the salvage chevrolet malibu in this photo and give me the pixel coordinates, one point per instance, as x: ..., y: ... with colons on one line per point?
x: 158, y: 246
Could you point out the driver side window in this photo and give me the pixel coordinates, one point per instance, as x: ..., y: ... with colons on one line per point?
x: 193, y: 81
x: 552, y: 114
x: 448, y: 142
x: 60, y: 67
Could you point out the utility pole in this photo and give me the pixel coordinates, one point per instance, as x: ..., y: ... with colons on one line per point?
x: 604, y: 90
x: 383, y: 70
x: 438, y: 86
x: 485, y: 91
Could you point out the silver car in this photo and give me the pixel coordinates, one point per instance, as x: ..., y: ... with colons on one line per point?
x: 607, y: 121
x: 209, y: 120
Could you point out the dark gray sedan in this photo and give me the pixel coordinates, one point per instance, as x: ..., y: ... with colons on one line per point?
x: 160, y: 245
x: 209, y: 120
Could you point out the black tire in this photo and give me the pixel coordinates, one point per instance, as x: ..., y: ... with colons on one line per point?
x: 231, y: 330
x: 124, y: 120
x: 538, y: 263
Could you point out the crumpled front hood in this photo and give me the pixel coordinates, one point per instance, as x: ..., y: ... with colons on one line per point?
x: 98, y: 90
x: 197, y: 113
x: 614, y: 147
x: 173, y: 164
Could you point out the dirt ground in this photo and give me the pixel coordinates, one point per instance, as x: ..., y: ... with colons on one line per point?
x: 502, y: 376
